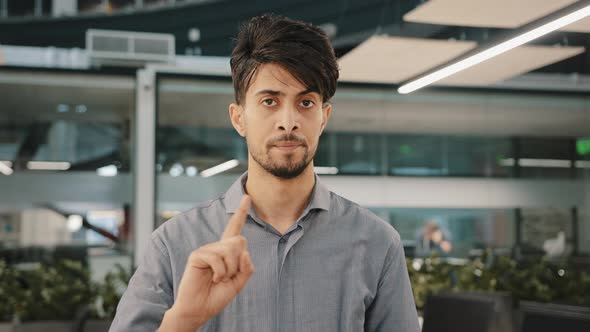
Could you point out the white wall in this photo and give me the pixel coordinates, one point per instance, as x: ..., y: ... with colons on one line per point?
x: 402, y: 192
x: 43, y: 228
x: 64, y: 7
x: 82, y: 189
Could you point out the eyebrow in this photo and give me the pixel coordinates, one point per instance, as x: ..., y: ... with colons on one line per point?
x: 280, y: 93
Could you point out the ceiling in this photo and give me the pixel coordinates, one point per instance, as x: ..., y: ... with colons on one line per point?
x: 508, y: 14
x: 393, y: 60
x: 35, y: 97
x: 349, y: 23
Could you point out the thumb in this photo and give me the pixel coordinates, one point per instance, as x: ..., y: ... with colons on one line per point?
x: 246, y: 271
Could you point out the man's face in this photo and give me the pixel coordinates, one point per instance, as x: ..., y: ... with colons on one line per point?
x: 437, y: 236
x: 281, y: 121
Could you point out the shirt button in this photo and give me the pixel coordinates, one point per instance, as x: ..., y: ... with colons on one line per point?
x: 282, y: 240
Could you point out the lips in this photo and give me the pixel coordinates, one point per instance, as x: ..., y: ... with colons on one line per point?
x: 287, y: 146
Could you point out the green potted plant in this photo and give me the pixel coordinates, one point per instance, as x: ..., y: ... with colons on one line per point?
x: 11, y: 295
x: 54, y: 296
x: 108, y: 296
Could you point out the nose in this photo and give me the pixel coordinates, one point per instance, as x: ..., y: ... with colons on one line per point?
x: 288, y: 119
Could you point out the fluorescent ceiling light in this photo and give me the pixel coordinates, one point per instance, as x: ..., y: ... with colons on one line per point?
x: 582, y: 164
x: 419, y: 171
x: 74, y: 223
x: 554, y: 163
x: 104, y: 214
x: 507, y: 162
x: 191, y: 171
x: 6, y: 167
x: 495, y: 50
x: 220, y: 168
x: 109, y: 170
x: 81, y: 109
x: 176, y: 170
x: 325, y: 170
x: 549, y: 163
x: 63, y: 108
x: 48, y: 165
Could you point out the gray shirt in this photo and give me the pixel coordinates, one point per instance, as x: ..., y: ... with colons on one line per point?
x: 338, y: 268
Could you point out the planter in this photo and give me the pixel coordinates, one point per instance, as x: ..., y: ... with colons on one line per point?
x: 479, y: 311
x: 96, y: 325
x: 91, y: 325
x: 6, y: 327
x: 43, y: 326
x: 543, y: 317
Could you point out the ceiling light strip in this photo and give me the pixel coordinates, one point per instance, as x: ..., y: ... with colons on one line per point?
x: 554, y: 163
x: 48, y: 165
x: 325, y: 170
x: 220, y: 168
x: 550, y: 163
x: 6, y: 167
x: 495, y: 50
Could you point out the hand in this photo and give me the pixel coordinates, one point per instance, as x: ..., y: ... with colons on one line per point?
x: 214, y: 275
x: 446, y: 246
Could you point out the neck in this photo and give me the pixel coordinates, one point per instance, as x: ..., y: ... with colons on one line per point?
x: 279, y: 202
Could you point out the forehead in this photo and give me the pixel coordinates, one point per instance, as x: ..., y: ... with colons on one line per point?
x: 274, y: 77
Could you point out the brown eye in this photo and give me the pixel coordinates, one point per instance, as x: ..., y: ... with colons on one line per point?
x: 307, y: 103
x: 269, y: 102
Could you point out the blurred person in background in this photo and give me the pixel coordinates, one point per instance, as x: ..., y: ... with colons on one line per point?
x: 432, y: 239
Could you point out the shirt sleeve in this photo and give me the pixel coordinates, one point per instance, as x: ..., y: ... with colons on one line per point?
x: 393, y: 308
x: 149, y: 293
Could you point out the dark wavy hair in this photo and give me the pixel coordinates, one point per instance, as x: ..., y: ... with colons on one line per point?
x: 302, y: 49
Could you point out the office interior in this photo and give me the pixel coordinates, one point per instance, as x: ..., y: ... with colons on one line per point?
x: 113, y: 119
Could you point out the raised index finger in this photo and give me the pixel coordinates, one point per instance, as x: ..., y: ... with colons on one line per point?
x: 237, y: 221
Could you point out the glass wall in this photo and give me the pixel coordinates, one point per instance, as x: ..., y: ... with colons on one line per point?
x: 65, y: 168
x: 194, y: 136
x: 468, y: 230
x: 582, y: 236
x: 546, y: 157
x: 28, y: 7
x: 541, y: 227
x: 437, y: 155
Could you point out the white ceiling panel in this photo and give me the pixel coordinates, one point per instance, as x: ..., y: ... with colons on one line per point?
x: 393, y: 60
x: 511, y: 64
x: 580, y: 26
x: 382, y: 59
x: 490, y: 13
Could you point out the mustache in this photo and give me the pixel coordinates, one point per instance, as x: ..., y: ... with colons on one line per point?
x: 288, y: 138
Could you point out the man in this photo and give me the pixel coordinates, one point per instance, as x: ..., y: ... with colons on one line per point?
x: 432, y: 239
x: 277, y: 251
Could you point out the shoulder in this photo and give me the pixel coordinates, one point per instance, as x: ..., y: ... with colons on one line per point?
x: 193, y: 228
x: 359, y: 219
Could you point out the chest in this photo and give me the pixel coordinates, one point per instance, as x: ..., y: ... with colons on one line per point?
x: 304, y: 286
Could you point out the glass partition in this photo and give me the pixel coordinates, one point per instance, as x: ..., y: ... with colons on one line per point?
x: 199, y: 154
x: 468, y: 230
x: 65, y: 168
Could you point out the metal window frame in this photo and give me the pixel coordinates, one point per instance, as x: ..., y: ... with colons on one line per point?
x: 144, y: 184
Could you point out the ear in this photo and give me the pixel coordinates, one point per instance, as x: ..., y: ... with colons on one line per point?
x: 236, y: 115
x: 326, y: 111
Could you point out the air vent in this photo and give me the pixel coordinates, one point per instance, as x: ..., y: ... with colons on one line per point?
x: 128, y: 48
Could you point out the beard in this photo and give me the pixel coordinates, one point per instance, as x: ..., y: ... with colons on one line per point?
x: 289, y: 168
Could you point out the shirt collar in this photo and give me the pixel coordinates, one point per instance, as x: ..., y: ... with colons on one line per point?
x: 320, y: 196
